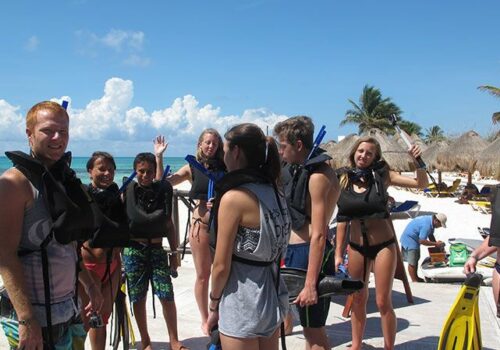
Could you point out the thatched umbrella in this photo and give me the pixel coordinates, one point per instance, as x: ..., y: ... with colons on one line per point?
x: 488, y: 162
x: 462, y: 153
x: 429, y: 156
x: 340, y: 151
x: 396, y: 156
x: 328, y: 146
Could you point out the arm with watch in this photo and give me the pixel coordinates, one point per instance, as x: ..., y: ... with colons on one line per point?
x: 479, y: 253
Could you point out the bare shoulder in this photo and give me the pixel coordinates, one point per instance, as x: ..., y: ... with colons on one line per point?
x: 324, y: 173
x: 237, y: 198
x: 14, y: 186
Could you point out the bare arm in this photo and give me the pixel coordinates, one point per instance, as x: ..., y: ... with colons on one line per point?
x: 230, y: 215
x: 319, y: 188
x: 92, y: 289
x: 181, y: 175
x: 479, y: 253
x: 421, y: 181
x: 16, y: 195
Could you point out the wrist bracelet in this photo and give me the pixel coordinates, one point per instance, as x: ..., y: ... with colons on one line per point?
x: 473, y: 257
x: 212, y: 298
x: 214, y: 309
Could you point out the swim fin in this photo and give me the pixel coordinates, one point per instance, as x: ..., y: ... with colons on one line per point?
x: 328, y: 284
x: 462, y: 329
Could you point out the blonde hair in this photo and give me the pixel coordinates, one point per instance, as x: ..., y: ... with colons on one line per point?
x: 344, y: 178
x: 200, y: 157
x: 54, y: 107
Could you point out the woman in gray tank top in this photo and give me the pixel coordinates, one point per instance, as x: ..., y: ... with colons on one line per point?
x: 248, y: 299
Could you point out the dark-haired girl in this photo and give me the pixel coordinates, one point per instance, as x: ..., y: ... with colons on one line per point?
x: 103, y: 263
x: 363, y: 207
x: 248, y: 299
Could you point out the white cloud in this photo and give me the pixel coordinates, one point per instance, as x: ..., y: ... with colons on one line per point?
x: 112, y: 120
x: 120, y: 39
x: 136, y: 60
x: 32, y: 43
x: 12, y: 124
x: 126, y: 44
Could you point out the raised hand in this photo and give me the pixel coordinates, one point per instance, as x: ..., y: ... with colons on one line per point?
x: 160, y: 146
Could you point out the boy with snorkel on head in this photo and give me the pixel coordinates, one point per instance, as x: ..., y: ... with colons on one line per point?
x: 149, y: 207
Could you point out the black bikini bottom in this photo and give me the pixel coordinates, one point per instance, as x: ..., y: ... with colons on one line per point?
x: 371, y: 251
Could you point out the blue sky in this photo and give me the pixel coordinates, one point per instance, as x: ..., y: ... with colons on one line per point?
x: 133, y: 69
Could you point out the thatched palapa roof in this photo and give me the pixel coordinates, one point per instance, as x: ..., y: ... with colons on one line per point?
x: 488, y: 161
x: 340, y: 151
x: 431, y: 153
x: 396, y: 156
x: 463, y: 152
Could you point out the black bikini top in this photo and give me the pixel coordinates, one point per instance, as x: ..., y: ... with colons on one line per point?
x: 371, y: 203
x: 199, y: 186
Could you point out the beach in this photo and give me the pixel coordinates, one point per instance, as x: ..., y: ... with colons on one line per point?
x: 419, y: 324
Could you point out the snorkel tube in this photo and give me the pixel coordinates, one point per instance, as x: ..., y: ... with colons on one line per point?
x: 165, y: 173
x: 317, y: 141
x: 127, y: 181
x: 64, y: 104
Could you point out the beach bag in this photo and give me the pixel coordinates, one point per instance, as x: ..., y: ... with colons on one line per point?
x: 458, y: 254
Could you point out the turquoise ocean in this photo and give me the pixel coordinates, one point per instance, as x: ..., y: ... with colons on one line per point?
x: 124, y: 166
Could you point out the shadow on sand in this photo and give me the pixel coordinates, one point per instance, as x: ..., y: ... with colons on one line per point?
x: 398, y: 300
x: 191, y: 343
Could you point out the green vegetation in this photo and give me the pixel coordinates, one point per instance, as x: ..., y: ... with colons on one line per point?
x: 434, y: 134
x: 495, y: 92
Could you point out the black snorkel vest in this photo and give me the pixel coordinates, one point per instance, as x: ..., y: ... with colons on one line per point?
x: 149, y: 209
x: 370, y: 204
x: 295, y: 178
x: 74, y: 214
x: 113, y: 231
x: 199, y: 186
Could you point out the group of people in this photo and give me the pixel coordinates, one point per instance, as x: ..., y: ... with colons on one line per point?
x: 261, y: 217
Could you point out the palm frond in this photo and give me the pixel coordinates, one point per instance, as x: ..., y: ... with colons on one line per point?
x: 490, y: 89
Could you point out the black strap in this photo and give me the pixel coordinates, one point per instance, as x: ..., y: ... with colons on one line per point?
x: 46, y: 286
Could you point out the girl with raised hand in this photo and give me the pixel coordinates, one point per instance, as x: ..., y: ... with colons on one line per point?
x: 210, y: 154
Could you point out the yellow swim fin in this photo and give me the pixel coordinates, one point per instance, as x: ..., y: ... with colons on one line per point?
x: 462, y: 328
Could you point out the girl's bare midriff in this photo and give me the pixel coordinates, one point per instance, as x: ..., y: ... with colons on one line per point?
x: 378, y: 230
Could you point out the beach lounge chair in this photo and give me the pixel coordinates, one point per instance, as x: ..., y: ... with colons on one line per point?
x: 449, y: 192
x: 405, y: 207
x: 481, y: 206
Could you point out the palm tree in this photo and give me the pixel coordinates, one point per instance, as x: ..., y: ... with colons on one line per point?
x: 495, y: 92
x: 372, y: 111
x: 434, y: 134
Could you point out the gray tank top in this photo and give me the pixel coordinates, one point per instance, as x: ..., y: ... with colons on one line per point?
x: 251, y: 290
x: 37, y: 224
